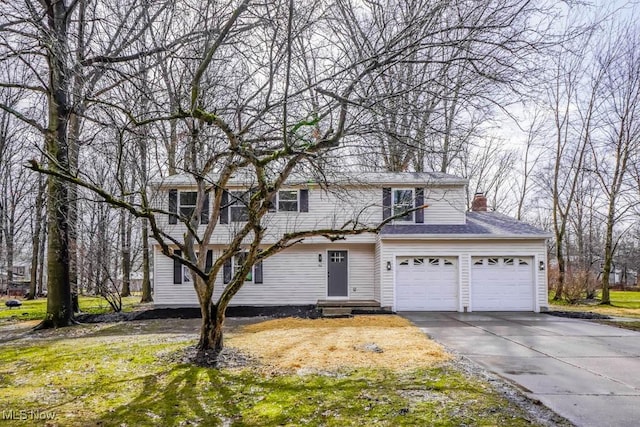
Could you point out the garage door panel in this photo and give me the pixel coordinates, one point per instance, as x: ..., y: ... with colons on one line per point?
x: 426, y: 283
x: 502, y: 284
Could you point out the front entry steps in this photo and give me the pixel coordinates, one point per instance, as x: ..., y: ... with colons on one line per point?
x: 347, y: 308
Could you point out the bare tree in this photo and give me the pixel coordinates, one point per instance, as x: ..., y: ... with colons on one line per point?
x: 620, y: 138
x: 572, y: 135
x: 65, y: 42
x: 254, y: 118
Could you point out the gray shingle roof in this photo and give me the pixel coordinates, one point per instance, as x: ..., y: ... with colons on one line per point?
x: 489, y: 224
x: 341, y: 178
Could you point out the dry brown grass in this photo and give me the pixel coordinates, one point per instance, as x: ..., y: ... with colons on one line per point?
x: 330, y: 344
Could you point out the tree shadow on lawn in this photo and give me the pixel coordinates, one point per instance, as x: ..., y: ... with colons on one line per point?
x: 207, y: 396
x: 186, y: 396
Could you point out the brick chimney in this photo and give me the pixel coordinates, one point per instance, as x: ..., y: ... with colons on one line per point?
x: 479, y: 203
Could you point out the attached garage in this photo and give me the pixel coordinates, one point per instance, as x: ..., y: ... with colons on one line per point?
x: 502, y: 283
x: 427, y: 283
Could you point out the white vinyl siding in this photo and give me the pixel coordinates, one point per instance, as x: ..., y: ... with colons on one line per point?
x: 464, y: 249
x: 446, y: 205
x: 292, y: 277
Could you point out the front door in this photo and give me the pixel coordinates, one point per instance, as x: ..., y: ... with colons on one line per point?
x: 337, y: 274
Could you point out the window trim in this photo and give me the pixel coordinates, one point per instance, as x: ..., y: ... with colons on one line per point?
x: 236, y: 201
x: 229, y: 269
x: 235, y: 266
x: 297, y: 209
x: 410, y: 217
x: 176, y: 206
x: 181, y: 206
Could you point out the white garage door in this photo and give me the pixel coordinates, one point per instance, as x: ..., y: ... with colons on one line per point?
x: 426, y: 283
x: 502, y: 284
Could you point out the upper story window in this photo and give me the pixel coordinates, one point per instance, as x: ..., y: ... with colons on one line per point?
x: 397, y: 201
x: 238, y: 205
x: 288, y: 200
x: 183, y: 203
x: 235, y: 203
x: 402, y: 202
x: 187, y: 203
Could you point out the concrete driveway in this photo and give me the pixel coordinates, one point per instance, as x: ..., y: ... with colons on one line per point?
x: 586, y: 372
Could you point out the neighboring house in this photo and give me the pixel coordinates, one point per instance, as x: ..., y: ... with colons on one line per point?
x: 441, y: 258
x: 19, y: 284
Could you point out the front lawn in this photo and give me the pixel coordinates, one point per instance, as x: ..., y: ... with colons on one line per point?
x: 36, y: 309
x: 623, y: 304
x: 135, y: 374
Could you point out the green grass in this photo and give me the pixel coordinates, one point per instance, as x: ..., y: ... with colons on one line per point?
x: 37, y: 309
x: 623, y: 304
x: 106, y: 375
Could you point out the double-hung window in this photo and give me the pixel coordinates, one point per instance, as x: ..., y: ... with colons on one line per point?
x: 288, y: 200
x: 233, y: 265
x: 402, y: 202
x: 238, y: 262
x: 187, y: 203
x: 238, y: 202
x: 182, y: 274
x: 183, y: 203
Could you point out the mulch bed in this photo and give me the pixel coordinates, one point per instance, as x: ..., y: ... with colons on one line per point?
x: 302, y: 311
x: 589, y: 315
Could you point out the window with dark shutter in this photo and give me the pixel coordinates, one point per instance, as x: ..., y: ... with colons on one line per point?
x: 419, y: 202
x: 386, y: 203
x: 173, y: 206
x: 177, y: 269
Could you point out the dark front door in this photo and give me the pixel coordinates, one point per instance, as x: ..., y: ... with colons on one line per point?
x: 337, y: 274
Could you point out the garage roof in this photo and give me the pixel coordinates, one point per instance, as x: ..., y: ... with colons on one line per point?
x: 479, y: 225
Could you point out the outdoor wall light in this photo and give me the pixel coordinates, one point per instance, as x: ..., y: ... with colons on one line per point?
x: 541, y: 266
x: 388, y: 265
x: 319, y: 257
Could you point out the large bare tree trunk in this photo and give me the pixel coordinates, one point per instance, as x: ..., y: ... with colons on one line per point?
x: 36, y: 239
x: 59, y: 307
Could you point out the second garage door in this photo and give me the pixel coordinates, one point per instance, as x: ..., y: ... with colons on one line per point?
x: 426, y: 284
x: 502, y: 284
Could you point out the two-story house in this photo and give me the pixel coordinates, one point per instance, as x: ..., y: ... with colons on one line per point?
x: 443, y: 257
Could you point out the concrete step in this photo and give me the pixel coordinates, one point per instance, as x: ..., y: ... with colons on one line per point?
x: 336, y: 311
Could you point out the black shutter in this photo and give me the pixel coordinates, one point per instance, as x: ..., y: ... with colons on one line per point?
x: 386, y: 203
x: 304, y: 200
x: 204, y: 215
x: 173, y: 207
x: 209, y: 262
x: 224, y: 208
x: 419, y: 202
x: 257, y: 272
x: 226, y: 271
x: 177, y: 269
